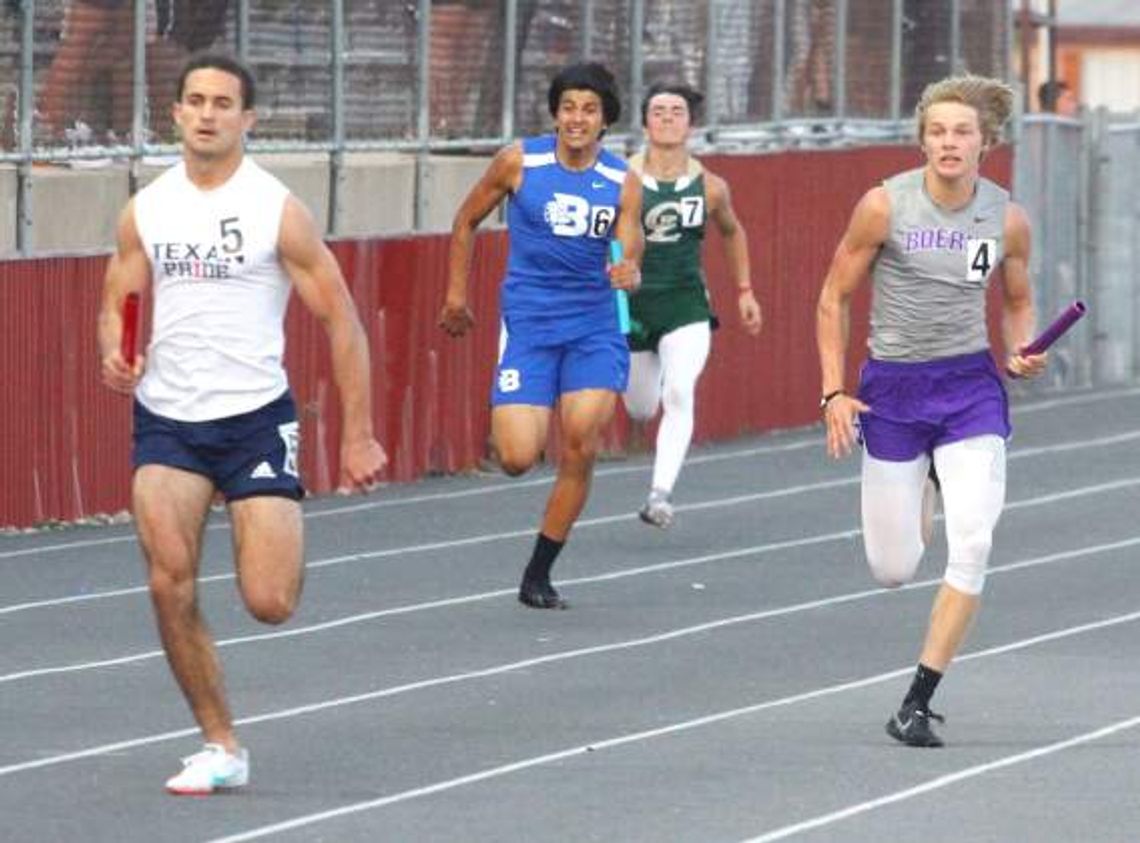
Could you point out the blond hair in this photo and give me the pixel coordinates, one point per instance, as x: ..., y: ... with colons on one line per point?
x: 991, y: 98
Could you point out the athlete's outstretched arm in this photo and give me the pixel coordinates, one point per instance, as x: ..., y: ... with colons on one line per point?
x: 502, y: 177
x: 318, y: 280
x: 627, y: 230
x: 721, y: 212
x: 866, y: 232
x: 1019, y: 317
x: 127, y: 272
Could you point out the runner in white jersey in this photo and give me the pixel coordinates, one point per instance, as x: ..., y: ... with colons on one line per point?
x: 222, y: 243
x: 930, y: 391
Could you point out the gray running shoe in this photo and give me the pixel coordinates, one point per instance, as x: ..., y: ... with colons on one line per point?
x: 658, y: 509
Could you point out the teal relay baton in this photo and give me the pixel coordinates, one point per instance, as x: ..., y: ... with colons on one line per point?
x: 620, y: 296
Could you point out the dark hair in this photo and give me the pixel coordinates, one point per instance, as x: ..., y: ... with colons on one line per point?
x: 587, y: 76
x: 1049, y: 92
x: 226, y: 64
x: 692, y: 97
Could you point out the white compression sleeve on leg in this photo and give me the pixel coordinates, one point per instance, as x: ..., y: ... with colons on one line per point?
x: 683, y: 355
x: 644, y: 391
x: 892, y: 517
x: 972, y: 473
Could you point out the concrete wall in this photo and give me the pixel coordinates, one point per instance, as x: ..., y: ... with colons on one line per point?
x: 7, y: 210
x: 76, y: 209
x: 377, y: 194
x: 447, y: 180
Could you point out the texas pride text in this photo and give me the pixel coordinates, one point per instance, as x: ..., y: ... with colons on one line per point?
x: 191, y: 260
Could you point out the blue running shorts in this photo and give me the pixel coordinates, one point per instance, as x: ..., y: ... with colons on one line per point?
x: 244, y: 456
x: 534, y: 370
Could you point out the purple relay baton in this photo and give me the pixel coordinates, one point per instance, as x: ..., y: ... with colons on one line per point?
x: 1054, y: 332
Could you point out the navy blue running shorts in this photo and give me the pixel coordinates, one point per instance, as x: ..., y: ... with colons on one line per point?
x: 244, y: 456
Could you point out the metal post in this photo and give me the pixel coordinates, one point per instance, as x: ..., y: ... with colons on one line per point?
x: 336, y: 157
x: 510, y: 68
x: 956, y: 63
x: 423, y: 109
x: 241, y: 30
x: 138, y: 95
x: 896, y: 61
x: 1085, y: 155
x: 1026, y: 34
x: 840, y: 70
x: 587, y: 29
x: 636, y: 64
x: 711, y: 59
x: 778, y: 24
x: 1052, y: 30
x: 27, y: 109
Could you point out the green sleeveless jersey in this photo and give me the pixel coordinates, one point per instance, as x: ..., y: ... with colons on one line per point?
x: 673, y: 220
x: 672, y: 292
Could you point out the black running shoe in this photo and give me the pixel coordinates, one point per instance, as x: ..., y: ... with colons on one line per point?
x: 912, y: 726
x: 540, y: 595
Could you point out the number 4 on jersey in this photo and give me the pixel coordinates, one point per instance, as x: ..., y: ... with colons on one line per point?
x: 980, y: 255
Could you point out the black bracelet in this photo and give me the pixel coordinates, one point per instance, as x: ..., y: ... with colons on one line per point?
x: 825, y: 400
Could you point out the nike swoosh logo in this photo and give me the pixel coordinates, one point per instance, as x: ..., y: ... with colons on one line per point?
x: 597, y: 185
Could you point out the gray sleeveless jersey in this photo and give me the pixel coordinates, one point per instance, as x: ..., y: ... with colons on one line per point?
x: 930, y: 276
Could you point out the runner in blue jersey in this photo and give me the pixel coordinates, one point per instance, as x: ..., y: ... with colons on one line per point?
x: 562, y: 343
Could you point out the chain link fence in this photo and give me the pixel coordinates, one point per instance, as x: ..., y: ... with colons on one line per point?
x: 100, y: 73
x: 1080, y: 183
x: 87, y: 82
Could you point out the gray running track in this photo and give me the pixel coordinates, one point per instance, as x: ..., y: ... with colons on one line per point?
x: 726, y: 680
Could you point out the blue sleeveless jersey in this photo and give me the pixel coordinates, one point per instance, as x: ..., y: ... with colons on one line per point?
x: 560, y: 222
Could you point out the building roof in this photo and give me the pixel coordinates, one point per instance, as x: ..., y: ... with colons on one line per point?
x: 1098, y: 13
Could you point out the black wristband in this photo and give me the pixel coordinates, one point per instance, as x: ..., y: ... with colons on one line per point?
x: 825, y: 400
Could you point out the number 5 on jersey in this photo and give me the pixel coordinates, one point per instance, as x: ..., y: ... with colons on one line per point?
x: 980, y: 255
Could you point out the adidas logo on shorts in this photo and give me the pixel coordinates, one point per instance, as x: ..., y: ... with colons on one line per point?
x: 264, y: 471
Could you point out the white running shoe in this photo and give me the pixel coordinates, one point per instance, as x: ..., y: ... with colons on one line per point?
x: 658, y: 509
x: 211, y: 769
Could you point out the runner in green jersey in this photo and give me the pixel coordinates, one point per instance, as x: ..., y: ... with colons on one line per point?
x: 670, y: 313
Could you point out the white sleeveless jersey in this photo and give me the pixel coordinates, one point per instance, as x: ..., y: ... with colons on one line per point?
x: 220, y: 294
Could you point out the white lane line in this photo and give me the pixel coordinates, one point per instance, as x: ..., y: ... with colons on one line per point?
x: 944, y: 781
x: 496, y: 486
x: 636, y: 737
x: 452, y: 544
x: 603, y: 471
x: 1070, y: 400
x: 529, y: 531
x: 552, y: 658
x: 657, y: 567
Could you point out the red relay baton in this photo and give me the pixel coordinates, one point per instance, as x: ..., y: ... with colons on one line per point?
x: 129, y: 343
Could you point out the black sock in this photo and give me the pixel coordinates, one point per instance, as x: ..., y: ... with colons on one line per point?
x: 933, y: 476
x: 545, y: 552
x: 922, y: 688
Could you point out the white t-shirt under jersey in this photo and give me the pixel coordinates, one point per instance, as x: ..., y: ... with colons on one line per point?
x: 220, y: 294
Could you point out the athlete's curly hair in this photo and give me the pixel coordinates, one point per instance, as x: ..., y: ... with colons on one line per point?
x: 692, y: 97
x: 586, y: 76
x: 991, y: 98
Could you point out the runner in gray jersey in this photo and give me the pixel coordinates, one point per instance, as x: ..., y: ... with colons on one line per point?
x: 930, y: 392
